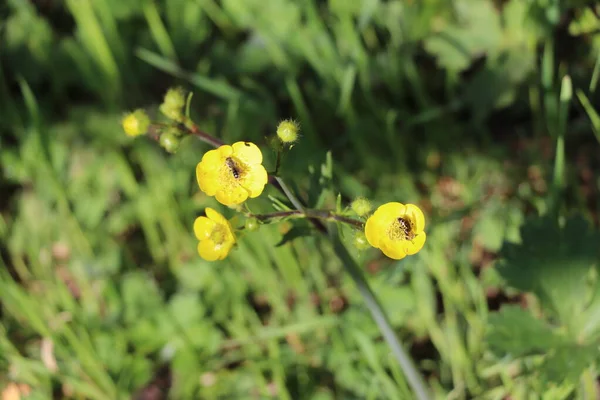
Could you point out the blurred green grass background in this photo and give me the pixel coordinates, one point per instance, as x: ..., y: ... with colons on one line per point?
x: 451, y: 105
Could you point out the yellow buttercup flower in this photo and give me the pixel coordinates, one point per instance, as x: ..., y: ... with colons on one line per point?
x: 396, y: 229
x: 215, y: 235
x: 232, y: 173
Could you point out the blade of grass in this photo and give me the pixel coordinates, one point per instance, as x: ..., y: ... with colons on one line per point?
x: 220, y: 89
x: 558, y: 181
x: 591, y: 112
x: 158, y: 31
x: 595, y: 75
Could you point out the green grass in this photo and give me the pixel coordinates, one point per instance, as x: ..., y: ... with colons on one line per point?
x: 462, y: 107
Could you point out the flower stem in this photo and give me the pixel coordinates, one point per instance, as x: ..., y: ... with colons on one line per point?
x: 325, y: 215
x: 193, y: 129
x: 278, y: 160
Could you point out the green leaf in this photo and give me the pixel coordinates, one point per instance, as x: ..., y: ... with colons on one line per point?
x: 140, y: 295
x: 567, y: 363
x: 294, y: 233
x: 554, y: 263
x: 516, y: 332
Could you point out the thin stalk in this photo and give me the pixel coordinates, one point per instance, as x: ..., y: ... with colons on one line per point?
x: 325, y: 215
x: 278, y: 160
x: 205, y: 137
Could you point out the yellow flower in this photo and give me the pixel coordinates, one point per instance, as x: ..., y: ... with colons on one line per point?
x: 396, y: 229
x: 232, y: 173
x: 215, y: 235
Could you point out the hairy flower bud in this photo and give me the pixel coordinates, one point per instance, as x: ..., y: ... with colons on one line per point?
x: 173, y: 103
x: 287, y: 131
x: 170, y: 142
x: 251, y: 224
x: 136, y: 123
x: 361, y: 206
x: 360, y: 241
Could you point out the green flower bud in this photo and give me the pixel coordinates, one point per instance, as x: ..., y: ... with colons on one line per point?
x: 252, y: 224
x: 287, y: 131
x: 136, y: 123
x: 361, y: 206
x: 170, y: 142
x: 173, y: 103
x: 360, y: 241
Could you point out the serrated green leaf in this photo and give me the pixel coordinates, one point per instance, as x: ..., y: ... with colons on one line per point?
x: 516, y: 332
x: 294, y: 233
x: 554, y: 263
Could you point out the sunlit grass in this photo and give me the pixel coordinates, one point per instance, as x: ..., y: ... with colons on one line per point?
x: 102, y: 294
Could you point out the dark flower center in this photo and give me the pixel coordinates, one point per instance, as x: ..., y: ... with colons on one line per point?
x: 402, y: 229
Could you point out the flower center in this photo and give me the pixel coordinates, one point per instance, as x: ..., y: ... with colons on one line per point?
x: 219, y: 234
x: 401, y: 229
x: 234, y: 167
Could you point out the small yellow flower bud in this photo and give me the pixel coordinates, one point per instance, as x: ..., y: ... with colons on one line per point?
x: 135, y: 123
x: 361, y: 206
x: 173, y: 103
x: 170, y: 142
x: 251, y: 224
x: 360, y: 241
x: 287, y: 131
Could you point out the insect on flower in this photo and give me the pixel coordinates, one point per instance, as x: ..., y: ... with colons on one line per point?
x: 396, y: 229
x: 232, y: 173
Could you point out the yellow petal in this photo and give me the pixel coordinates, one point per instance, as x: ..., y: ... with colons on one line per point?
x: 209, y: 250
x: 392, y: 248
x: 254, y: 180
x: 413, y: 246
x: 225, y: 151
x: 208, y: 179
x: 230, y: 196
x: 215, y: 216
x: 203, y: 227
x: 390, y: 211
x: 212, y: 159
x: 416, y: 216
x: 247, y: 152
x: 374, y: 230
